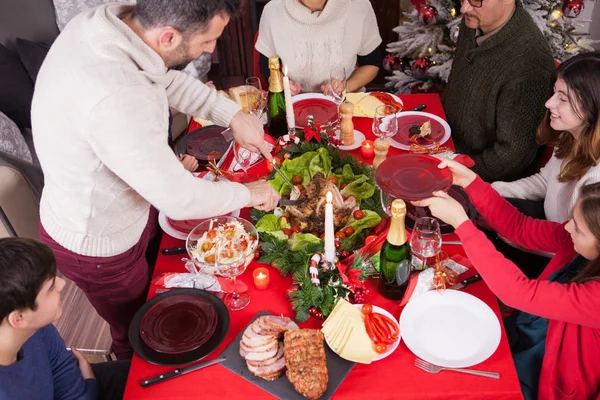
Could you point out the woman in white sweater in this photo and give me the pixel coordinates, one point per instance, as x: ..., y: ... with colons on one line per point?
x: 572, y: 125
x: 314, y: 36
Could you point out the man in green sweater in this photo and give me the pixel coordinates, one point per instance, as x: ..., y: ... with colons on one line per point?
x: 500, y: 79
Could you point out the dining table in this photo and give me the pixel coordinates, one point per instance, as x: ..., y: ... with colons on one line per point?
x: 394, y: 377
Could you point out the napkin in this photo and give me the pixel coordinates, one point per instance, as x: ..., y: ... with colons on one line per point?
x: 461, y: 158
x: 198, y: 280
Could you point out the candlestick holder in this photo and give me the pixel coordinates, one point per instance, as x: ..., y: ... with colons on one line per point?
x: 381, y: 149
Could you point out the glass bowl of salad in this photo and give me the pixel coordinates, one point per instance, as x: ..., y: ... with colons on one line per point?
x: 208, y: 243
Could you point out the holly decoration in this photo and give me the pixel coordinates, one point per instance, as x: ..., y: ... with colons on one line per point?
x: 421, y: 65
x: 359, y: 295
x: 572, y: 8
x: 428, y: 14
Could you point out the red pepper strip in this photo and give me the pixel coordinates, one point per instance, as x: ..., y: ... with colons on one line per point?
x: 381, y: 336
x: 369, y: 329
x: 392, y: 324
x: 382, y: 327
x: 391, y: 338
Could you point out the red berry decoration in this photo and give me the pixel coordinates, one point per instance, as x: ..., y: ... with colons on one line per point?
x: 318, y: 315
x: 427, y: 14
x: 572, y: 8
x: 337, y: 244
x: 344, y: 254
x: 312, y: 310
x: 359, y: 295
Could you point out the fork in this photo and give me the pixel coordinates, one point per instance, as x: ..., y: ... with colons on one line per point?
x: 434, y: 369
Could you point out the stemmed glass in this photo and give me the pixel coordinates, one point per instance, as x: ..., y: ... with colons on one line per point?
x: 231, y: 262
x: 426, y: 238
x: 337, y: 86
x: 385, y: 125
x: 243, y: 157
x: 255, y: 108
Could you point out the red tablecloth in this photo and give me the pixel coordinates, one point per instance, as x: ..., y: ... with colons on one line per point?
x: 395, y: 377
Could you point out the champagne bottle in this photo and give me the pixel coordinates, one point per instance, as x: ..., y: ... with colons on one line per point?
x: 395, y: 255
x: 277, y: 123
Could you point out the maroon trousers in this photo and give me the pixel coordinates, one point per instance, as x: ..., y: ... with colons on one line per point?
x: 116, y: 286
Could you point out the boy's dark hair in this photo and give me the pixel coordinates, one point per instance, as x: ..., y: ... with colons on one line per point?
x: 184, y: 15
x: 25, y: 264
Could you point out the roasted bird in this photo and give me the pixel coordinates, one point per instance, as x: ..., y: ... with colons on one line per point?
x: 310, y: 213
x: 306, y: 365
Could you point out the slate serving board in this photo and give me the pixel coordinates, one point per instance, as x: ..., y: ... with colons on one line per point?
x: 281, y: 388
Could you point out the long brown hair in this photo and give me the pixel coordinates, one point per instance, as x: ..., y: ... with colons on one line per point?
x: 589, y: 204
x: 581, y: 74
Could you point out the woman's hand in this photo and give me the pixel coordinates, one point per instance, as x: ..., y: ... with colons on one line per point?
x: 444, y: 207
x: 326, y: 88
x: 461, y: 175
x: 189, y: 162
x: 295, y: 88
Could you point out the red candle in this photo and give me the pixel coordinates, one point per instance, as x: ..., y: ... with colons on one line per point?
x: 367, y: 149
x: 261, y: 278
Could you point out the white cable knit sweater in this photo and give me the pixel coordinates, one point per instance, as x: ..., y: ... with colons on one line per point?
x: 559, y: 198
x: 312, y: 43
x: 100, y: 120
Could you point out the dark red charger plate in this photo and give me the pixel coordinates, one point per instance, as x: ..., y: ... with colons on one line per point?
x: 178, y: 324
x: 412, y: 177
x: 204, y: 141
x: 323, y: 111
x: 405, y: 121
x: 152, y: 356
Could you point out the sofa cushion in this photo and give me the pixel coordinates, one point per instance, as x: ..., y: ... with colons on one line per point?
x: 12, y: 141
x: 16, y: 89
x: 32, y: 55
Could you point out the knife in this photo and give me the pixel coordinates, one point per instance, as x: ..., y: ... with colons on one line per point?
x: 174, y: 250
x: 287, y: 202
x: 419, y: 108
x: 465, y: 282
x: 178, y: 372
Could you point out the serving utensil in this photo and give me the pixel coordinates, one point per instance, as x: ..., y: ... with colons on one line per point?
x: 434, y: 369
x: 285, y: 179
x: 178, y: 372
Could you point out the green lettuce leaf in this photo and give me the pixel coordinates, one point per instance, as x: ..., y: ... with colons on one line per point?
x: 302, y: 241
x: 370, y: 220
x: 360, y: 188
x: 271, y: 223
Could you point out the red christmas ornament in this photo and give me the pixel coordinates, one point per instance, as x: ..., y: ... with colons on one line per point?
x: 392, y: 63
x: 318, y: 315
x: 344, y: 254
x: 427, y: 14
x: 312, y: 310
x: 337, y: 244
x: 420, y: 65
x: 572, y: 8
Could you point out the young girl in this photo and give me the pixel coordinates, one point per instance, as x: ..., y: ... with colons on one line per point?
x: 555, y: 338
x: 572, y: 125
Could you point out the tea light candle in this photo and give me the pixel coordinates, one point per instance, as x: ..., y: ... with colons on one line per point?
x: 261, y: 278
x: 367, y: 149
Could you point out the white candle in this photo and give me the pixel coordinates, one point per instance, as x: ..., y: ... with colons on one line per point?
x: 329, y: 235
x: 289, y: 107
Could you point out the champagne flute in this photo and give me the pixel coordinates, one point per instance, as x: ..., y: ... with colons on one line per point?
x: 257, y: 107
x: 385, y: 123
x: 243, y: 157
x: 231, y: 262
x: 426, y: 238
x: 337, y: 86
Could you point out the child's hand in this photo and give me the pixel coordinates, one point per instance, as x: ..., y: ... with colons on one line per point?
x: 84, y: 365
x: 189, y: 162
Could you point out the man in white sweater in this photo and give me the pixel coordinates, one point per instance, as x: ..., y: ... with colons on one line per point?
x: 100, y: 121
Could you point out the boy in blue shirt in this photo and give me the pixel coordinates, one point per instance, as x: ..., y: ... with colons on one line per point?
x: 34, y: 362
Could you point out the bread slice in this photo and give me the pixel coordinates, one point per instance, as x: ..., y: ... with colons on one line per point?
x: 244, y: 96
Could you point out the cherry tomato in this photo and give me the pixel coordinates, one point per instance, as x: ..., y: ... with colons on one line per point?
x: 340, y: 235
x: 358, y: 214
x: 277, y: 160
x: 316, y: 234
x: 287, y: 231
x: 343, y: 185
x: 212, y: 234
x: 296, y: 229
x: 348, y: 230
x: 370, y: 239
x: 322, y: 236
x: 367, y: 308
x: 380, y: 348
x: 206, y: 246
x: 209, y: 259
x: 297, y: 180
x: 333, y: 179
x: 300, y: 187
x: 287, y: 156
x: 284, y: 218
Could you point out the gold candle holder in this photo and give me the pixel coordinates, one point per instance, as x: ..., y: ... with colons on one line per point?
x: 381, y: 149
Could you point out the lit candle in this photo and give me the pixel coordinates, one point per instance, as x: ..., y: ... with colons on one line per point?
x: 261, y: 278
x: 366, y: 149
x: 289, y: 107
x: 329, y: 234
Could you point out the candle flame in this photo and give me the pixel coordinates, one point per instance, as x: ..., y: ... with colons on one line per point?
x: 260, y: 275
x: 284, y: 69
x: 329, y: 197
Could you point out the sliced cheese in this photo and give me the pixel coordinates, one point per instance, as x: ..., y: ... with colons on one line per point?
x: 364, y: 104
x: 336, y: 325
x: 359, y: 347
x: 341, y: 336
x: 336, y: 309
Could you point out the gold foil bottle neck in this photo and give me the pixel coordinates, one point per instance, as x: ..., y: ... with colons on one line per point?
x: 397, y: 233
x: 275, y: 77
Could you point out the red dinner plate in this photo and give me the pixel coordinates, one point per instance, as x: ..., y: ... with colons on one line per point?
x: 406, y: 120
x: 204, y: 142
x: 178, y: 324
x: 412, y: 177
x: 322, y: 110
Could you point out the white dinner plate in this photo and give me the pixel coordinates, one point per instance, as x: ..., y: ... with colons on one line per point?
x: 358, y: 139
x: 412, y: 114
x: 391, y: 347
x: 450, y: 328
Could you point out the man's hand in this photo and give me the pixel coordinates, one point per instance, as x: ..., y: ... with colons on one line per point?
x: 189, y: 162
x: 84, y: 365
x: 262, y: 195
x: 248, y: 132
x: 444, y: 207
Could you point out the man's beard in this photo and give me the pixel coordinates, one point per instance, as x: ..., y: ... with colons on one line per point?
x: 180, y: 58
x: 179, y: 67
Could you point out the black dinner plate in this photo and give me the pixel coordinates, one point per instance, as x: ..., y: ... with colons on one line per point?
x: 154, y: 357
x: 203, y: 142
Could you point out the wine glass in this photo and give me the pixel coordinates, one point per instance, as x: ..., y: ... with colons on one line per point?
x: 257, y: 107
x: 337, y: 86
x: 231, y: 262
x: 426, y: 238
x: 385, y: 123
x: 243, y: 157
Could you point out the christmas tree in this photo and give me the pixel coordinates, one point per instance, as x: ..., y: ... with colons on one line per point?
x: 421, y: 59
